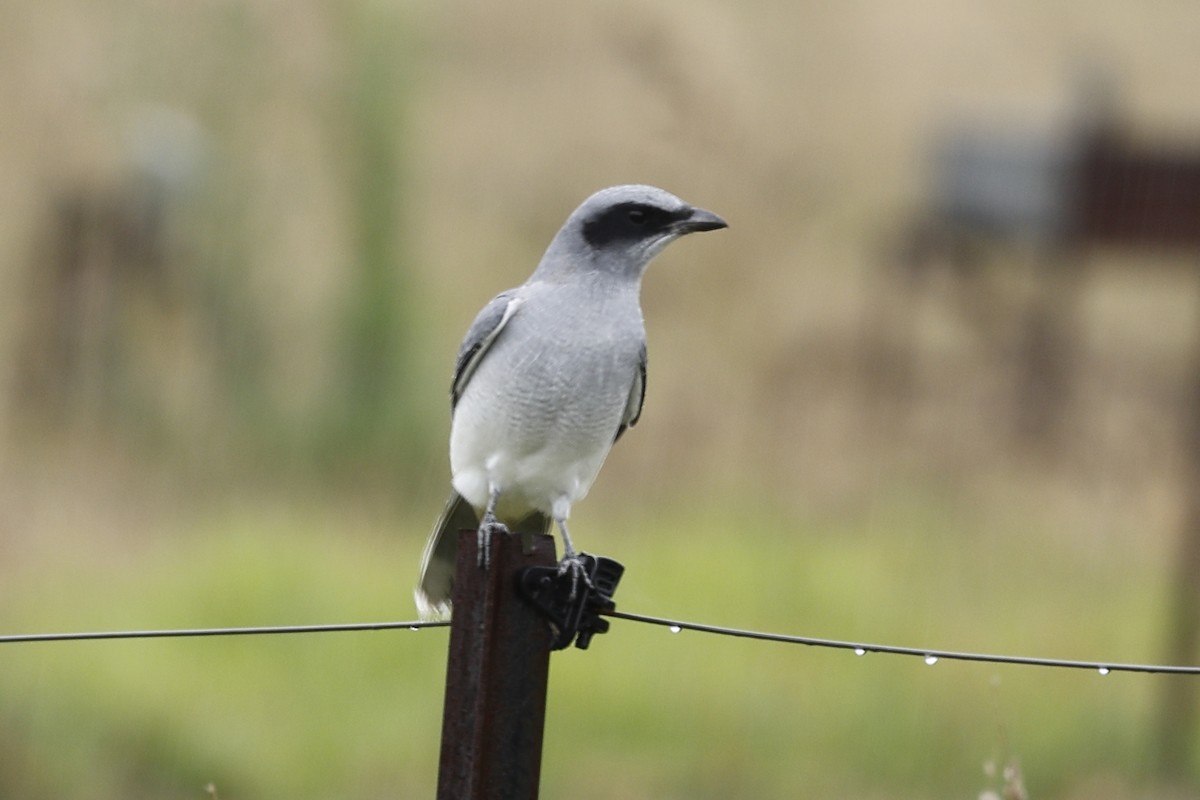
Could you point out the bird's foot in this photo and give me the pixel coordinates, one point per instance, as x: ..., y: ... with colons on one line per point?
x: 484, y: 533
x: 572, y: 563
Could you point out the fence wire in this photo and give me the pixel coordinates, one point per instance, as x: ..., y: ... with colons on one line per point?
x: 929, y: 655
x: 24, y: 638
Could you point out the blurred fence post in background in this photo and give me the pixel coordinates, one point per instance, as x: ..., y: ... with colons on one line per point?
x: 496, y: 675
x: 1051, y: 343
x: 1148, y: 197
x: 1177, y: 714
x: 107, y: 271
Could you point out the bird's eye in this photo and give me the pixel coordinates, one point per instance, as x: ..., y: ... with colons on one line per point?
x: 637, y: 216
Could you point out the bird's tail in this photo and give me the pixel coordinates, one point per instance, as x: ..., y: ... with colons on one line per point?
x: 437, y: 564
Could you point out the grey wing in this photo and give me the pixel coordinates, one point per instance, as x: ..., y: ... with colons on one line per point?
x: 637, y: 396
x: 480, y: 336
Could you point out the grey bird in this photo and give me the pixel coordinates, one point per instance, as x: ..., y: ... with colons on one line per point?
x: 549, y: 376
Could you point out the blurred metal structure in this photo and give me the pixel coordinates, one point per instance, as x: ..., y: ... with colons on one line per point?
x: 1053, y: 201
x: 1014, y: 185
x: 1125, y: 195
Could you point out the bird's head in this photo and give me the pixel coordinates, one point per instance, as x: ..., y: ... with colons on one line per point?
x: 621, y: 228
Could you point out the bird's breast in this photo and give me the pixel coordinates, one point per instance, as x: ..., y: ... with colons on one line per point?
x: 541, y: 412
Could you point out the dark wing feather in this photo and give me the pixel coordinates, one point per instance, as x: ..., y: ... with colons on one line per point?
x: 480, y: 336
x: 637, y: 396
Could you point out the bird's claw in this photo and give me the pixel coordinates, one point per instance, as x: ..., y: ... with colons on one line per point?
x: 575, y: 565
x: 484, y: 533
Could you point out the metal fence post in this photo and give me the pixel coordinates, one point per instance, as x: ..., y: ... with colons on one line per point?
x: 496, y: 676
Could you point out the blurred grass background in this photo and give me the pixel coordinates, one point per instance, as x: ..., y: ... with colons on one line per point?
x: 239, y: 243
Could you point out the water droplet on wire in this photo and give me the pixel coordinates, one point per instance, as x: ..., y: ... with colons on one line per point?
x: 859, y: 651
x: 931, y: 660
x: 1103, y: 670
x: 674, y: 629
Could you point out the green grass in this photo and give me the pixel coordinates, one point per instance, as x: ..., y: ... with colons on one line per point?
x: 642, y: 714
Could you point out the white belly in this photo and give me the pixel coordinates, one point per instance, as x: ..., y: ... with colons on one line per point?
x: 538, y: 449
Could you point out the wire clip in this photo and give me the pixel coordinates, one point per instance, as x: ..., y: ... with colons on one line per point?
x: 572, y: 606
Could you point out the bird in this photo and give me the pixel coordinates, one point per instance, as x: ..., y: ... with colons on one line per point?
x: 549, y: 376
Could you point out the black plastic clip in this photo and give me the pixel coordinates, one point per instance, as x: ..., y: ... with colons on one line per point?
x: 549, y: 591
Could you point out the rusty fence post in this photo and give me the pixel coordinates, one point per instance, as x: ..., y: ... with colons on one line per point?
x: 496, y: 676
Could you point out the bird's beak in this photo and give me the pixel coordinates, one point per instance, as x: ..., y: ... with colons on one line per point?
x: 700, y: 220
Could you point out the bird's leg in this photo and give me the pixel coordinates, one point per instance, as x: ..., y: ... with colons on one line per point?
x: 488, y: 526
x: 571, y: 562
